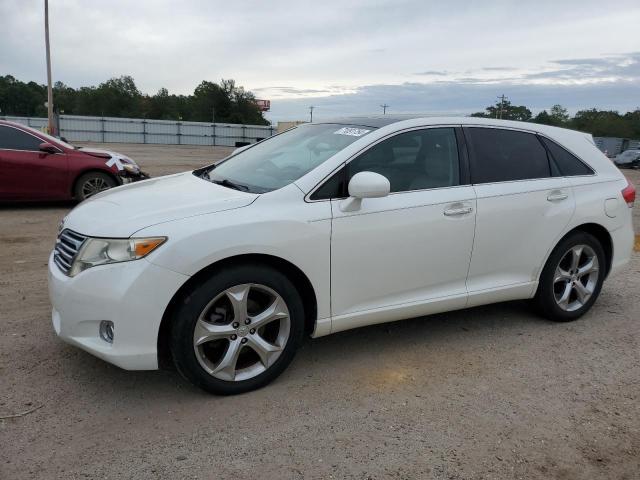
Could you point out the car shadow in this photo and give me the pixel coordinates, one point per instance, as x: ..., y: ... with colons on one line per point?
x: 39, y: 205
x: 327, y: 356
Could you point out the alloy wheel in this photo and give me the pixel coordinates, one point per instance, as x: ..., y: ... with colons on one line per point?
x: 241, y: 332
x: 94, y: 185
x: 576, y: 277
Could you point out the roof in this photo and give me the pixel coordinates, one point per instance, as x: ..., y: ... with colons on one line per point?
x: 11, y: 122
x: 379, y: 121
x: 374, y: 121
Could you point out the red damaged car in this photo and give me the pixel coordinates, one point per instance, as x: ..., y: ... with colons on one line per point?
x: 37, y: 166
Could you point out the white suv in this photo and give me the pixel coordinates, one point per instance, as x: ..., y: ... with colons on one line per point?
x: 331, y: 226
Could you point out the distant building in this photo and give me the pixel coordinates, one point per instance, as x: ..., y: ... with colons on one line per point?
x: 282, y: 126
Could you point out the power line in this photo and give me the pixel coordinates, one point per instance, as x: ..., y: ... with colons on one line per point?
x: 384, y: 108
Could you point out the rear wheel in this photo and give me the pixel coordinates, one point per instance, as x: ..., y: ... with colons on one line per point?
x: 238, y: 330
x: 91, y: 183
x: 572, y: 278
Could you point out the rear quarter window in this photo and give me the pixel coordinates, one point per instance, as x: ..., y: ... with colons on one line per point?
x: 567, y: 163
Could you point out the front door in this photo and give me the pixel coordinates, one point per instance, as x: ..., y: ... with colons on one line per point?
x: 406, y: 254
x: 28, y: 173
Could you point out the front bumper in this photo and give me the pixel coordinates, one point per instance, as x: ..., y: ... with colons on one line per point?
x: 133, y: 295
x: 126, y: 178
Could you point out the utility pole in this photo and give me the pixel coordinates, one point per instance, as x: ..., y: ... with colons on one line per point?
x: 501, y: 98
x: 213, y: 114
x: 384, y: 108
x: 311, y: 113
x: 49, y: 87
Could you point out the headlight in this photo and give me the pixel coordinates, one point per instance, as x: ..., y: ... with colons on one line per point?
x: 100, y: 251
x: 131, y: 168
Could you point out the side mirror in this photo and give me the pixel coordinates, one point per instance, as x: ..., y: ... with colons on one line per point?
x: 48, y: 148
x: 365, y: 185
x: 369, y: 185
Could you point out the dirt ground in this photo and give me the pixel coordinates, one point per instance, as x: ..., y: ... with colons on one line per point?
x: 490, y: 392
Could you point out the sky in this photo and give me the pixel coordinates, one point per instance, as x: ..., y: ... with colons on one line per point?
x: 344, y: 57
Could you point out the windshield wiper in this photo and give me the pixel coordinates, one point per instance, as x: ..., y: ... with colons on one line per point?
x: 229, y: 184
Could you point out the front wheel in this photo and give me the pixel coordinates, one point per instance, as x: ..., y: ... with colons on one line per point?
x: 91, y: 183
x: 238, y: 330
x: 572, y: 278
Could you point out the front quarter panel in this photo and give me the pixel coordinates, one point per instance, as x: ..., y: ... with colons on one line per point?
x: 279, y: 224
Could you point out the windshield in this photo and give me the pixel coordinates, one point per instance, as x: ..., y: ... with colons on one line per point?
x: 55, y: 140
x: 281, y: 160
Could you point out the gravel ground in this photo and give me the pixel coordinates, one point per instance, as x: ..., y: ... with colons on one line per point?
x: 490, y: 392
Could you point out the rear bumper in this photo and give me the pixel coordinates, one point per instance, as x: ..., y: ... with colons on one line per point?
x: 623, y: 240
x: 132, y: 295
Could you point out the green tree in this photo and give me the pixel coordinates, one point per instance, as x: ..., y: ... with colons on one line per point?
x: 120, y: 97
x: 65, y: 98
x: 559, y: 114
x: 633, y: 119
x: 506, y: 111
x: 19, y: 98
x: 207, y: 97
x: 603, y: 123
x: 558, y: 117
x: 161, y: 106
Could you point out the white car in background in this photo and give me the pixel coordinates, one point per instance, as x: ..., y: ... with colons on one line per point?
x: 628, y: 159
x: 332, y: 226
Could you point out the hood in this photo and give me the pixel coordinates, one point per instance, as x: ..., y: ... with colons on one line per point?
x: 122, y: 211
x: 108, y: 154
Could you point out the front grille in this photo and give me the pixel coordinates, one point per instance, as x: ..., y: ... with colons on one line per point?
x: 67, y: 246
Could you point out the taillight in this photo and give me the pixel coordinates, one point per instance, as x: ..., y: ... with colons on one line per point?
x: 629, y: 194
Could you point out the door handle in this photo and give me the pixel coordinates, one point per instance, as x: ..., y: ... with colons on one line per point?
x: 451, y: 212
x: 557, y: 196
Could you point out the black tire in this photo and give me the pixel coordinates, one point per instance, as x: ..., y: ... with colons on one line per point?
x: 82, y: 189
x: 545, y: 299
x: 195, y: 302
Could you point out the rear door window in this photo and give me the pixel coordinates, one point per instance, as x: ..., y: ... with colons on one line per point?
x: 14, y: 139
x: 505, y: 155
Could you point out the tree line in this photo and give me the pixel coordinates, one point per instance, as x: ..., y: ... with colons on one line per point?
x: 229, y: 103
x: 120, y: 97
x: 599, y: 123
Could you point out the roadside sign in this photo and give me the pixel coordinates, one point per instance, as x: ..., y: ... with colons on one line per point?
x: 263, y: 105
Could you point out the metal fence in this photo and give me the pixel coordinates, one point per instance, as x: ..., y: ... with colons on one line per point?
x: 138, y: 130
x: 615, y: 145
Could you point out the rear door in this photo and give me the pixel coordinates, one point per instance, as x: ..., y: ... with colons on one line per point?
x: 26, y: 172
x: 522, y: 209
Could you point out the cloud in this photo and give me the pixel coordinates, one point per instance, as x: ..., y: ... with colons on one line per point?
x: 341, y: 56
x: 456, y: 98
x: 292, y: 90
x: 432, y: 72
x: 621, y: 67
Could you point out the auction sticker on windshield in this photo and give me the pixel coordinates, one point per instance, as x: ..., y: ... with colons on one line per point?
x: 353, y: 132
